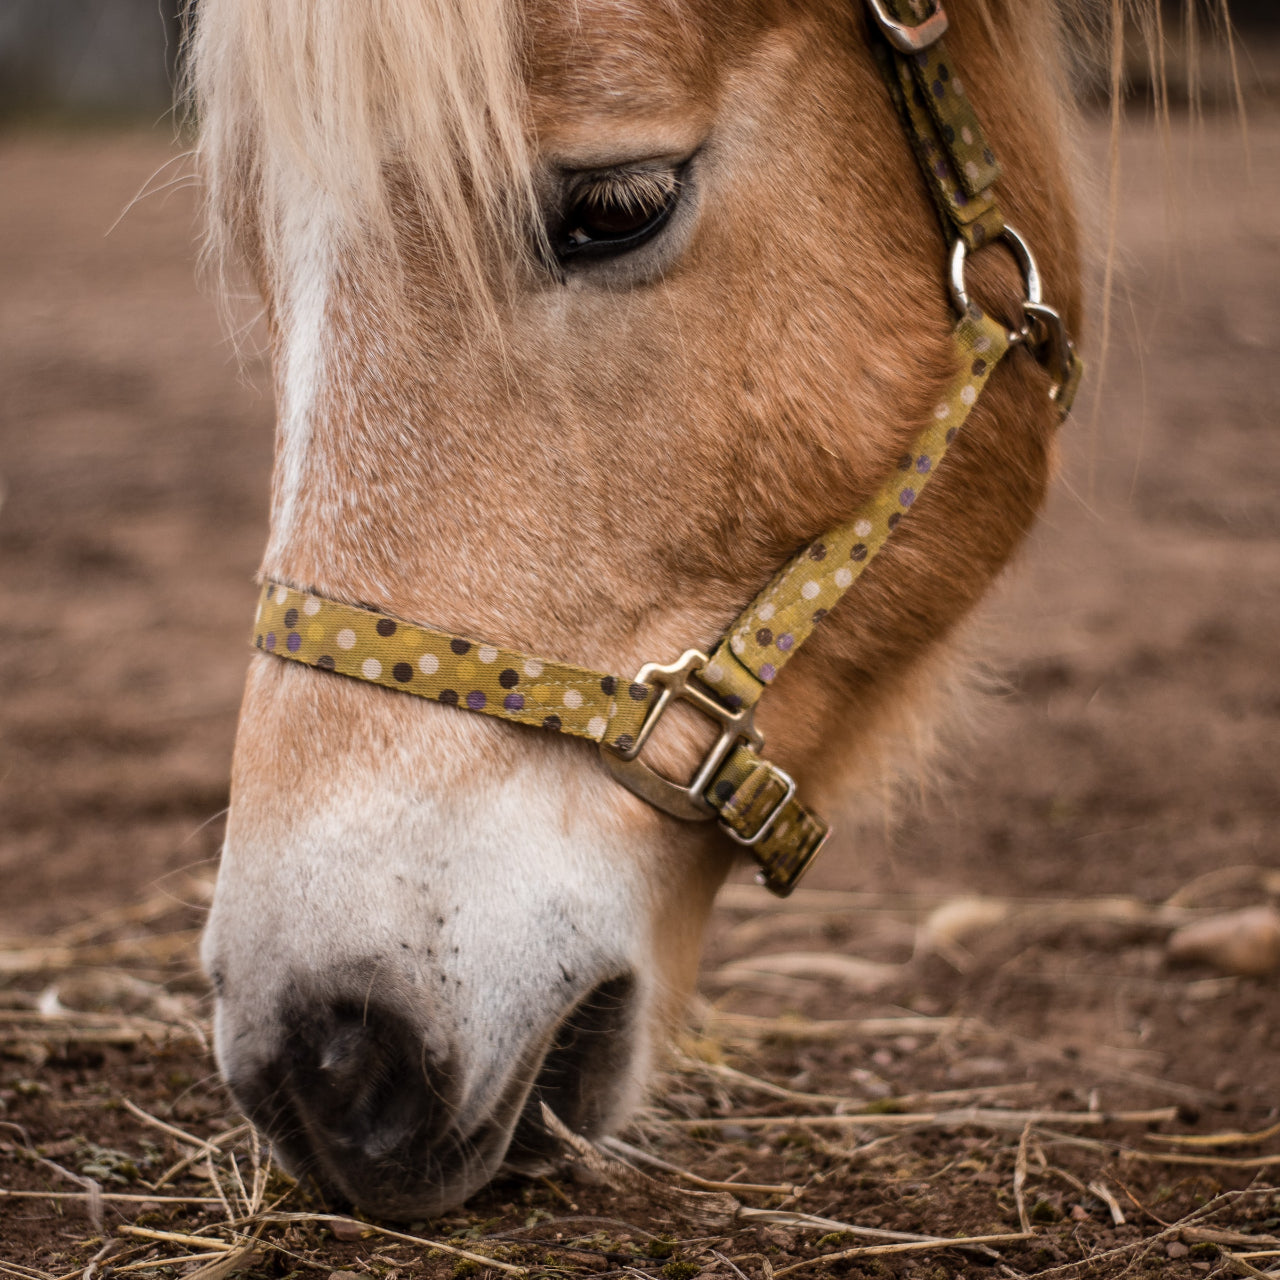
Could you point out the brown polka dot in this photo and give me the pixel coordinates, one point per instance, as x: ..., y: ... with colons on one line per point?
x: 624, y: 742
x: 509, y: 678
x: 639, y: 692
x: 609, y: 686
x: 764, y: 637
x: 460, y: 646
x: 290, y: 618
x: 552, y: 723
x: 904, y: 462
x: 979, y: 367
x: 325, y: 662
x: 449, y: 697
x: 818, y: 551
x: 385, y: 627
x: 859, y: 551
x: 402, y: 672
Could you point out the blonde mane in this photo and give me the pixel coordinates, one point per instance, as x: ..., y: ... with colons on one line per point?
x: 334, y: 96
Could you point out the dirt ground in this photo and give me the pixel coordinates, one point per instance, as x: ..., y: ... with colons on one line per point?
x: 1123, y: 781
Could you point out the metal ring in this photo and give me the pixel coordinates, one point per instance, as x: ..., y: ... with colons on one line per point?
x: 1021, y: 251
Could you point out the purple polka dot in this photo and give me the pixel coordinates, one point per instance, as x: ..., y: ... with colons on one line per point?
x: 293, y: 642
x: 476, y: 700
x: 733, y: 701
x: 907, y: 497
x: 785, y: 641
x: 767, y: 671
x: 924, y: 464
x: 270, y: 643
x: 514, y: 702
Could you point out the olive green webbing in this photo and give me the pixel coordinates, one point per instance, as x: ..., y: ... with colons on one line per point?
x: 954, y: 155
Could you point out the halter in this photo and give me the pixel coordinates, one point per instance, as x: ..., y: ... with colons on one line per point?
x: 754, y: 801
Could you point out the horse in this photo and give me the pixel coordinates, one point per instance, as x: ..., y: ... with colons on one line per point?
x: 584, y: 318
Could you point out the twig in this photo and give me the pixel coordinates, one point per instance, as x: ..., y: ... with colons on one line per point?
x: 637, y: 1156
x: 398, y: 1235
x: 978, y: 1117
x: 1020, y: 1180
x: 878, y: 1250
x: 173, y: 1237
x: 1215, y: 1139
x: 107, y: 1197
x: 1103, y: 1192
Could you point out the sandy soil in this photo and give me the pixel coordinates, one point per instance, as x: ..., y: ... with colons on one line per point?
x: 1131, y: 747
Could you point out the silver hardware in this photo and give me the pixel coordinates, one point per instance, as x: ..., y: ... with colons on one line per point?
x: 1048, y: 339
x: 911, y: 39
x: 676, y: 684
x: 1026, y: 262
x: 771, y: 821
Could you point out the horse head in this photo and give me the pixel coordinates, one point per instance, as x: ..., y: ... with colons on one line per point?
x: 584, y: 318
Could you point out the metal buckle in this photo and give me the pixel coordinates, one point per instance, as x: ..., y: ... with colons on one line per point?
x: 908, y: 39
x: 1030, y: 274
x: 768, y: 824
x: 1042, y: 329
x: 676, y: 685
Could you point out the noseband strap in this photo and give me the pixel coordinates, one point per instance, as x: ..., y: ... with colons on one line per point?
x: 754, y: 801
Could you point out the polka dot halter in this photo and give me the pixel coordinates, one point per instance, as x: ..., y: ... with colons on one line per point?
x: 754, y: 800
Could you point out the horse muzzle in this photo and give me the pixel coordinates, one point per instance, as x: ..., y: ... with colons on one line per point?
x: 357, y: 1096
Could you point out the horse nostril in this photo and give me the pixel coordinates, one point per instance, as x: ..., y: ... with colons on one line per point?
x: 347, y: 1059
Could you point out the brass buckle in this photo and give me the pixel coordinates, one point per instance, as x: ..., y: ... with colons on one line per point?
x: 675, y: 683
x: 908, y: 39
x: 774, y: 814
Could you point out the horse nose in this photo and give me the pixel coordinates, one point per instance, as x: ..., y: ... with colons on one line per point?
x: 350, y: 1087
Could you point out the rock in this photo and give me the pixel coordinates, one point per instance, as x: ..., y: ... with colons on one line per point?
x: 1176, y: 1249
x: 345, y: 1230
x: 1245, y: 943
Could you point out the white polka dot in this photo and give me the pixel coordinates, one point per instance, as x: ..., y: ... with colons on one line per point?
x: 737, y: 644
x: 282, y: 594
x: 257, y: 617
x: 972, y: 170
x: 346, y: 638
x: 941, y: 410
x: 765, y: 612
x: 982, y: 343
x: 312, y: 607
x: 596, y: 726
x: 956, y: 87
x: 428, y: 664
x: 371, y: 668
x: 969, y: 395
x: 572, y: 699
x: 809, y: 590
x: 843, y: 578
x: 967, y: 135
x: 533, y: 668
x: 863, y: 528
x: 487, y: 653
x: 714, y: 673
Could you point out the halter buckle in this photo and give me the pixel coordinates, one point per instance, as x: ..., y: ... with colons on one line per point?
x: 911, y: 39
x: 676, y: 684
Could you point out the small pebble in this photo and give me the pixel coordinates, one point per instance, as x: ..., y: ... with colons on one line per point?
x: 1245, y: 943
x: 347, y: 1231
x: 1176, y: 1249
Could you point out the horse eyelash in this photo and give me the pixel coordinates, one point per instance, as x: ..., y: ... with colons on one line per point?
x: 633, y: 189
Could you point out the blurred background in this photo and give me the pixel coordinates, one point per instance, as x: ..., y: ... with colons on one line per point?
x: 1131, y: 749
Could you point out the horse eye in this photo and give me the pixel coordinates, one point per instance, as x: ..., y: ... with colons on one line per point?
x: 613, y: 213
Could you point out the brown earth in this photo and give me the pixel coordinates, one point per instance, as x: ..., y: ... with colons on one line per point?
x: 1131, y: 749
